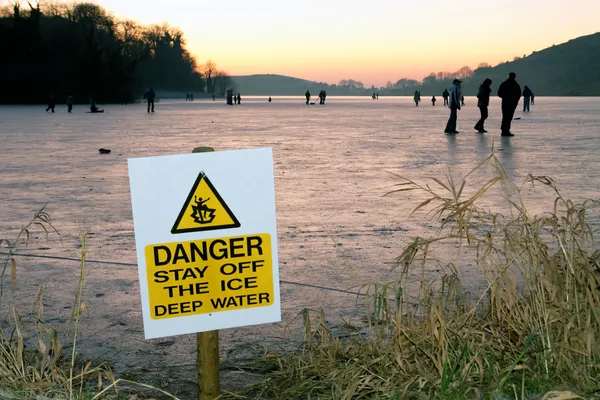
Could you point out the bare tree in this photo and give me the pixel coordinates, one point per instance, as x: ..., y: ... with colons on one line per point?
x: 210, y: 70
x: 222, y: 82
x: 464, y: 72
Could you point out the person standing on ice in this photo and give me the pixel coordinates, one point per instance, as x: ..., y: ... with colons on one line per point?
x: 51, y: 103
x: 510, y: 93
x: 433, y: 100
x: 69, y: 103
x: 417, y: 98
x: 483, y: 101
x: 307, y: 95
x: 532, y: 98
x: 149, y: 96
x: 454, y: 104
x: 526, y: 98
x: 445, y: 95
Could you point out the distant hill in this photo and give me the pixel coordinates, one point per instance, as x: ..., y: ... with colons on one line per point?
x: 568, y: 69
x: 274, y: 85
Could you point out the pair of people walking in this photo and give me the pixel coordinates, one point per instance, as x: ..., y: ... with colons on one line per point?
x: 509, y: 91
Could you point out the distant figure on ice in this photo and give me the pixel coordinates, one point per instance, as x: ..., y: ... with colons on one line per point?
x: 532, y: 98
x: 454, y: 104
x: 510, y: 93
x: 235, y: 99
x: 445, y: 95
x: 526, y: 98
x: 417, y: 98
x: 69, y: 102
x: 269, y: 99
x: 239, y: 97
x: 462, y: 100
x: 483, y: 101
x: 230, y: 97
x: 150, y: 95
x: 191, y: 96
x: 373, y: 97
x: 187, y: 97
x: 213, y: 97
x: 377, y: 96
x: 93, y: 108
x: 433, y: 100
x: 51, y: 103
x: 324, y: 96
x: 307, y: 95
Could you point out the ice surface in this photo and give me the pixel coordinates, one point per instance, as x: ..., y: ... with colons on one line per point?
x: 335, y: 227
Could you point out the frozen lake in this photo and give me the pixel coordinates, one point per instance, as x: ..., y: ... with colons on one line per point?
x: 335, y: 227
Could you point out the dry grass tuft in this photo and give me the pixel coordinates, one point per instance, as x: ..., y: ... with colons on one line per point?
x: 33, y: 364
x: 532, y: 328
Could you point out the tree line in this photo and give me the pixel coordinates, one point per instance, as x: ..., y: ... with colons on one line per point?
x: 81, y: 49
x: 434, y: 83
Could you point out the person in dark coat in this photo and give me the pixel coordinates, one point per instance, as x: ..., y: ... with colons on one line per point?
x: 445, y: 95
x: 510, y: 93
x: 526, y: 98
x: 51, y: 103
x: 483, y: 101
x: 455, y: 95
x: 307, y: 95
x: 150, y: 96
x: 69, y: 102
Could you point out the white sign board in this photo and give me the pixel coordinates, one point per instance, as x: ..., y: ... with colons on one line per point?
x: 206, y: 239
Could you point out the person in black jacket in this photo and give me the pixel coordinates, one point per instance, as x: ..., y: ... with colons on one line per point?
x: 483, y: 101
x: 526, y: 98
x: 510, y: 93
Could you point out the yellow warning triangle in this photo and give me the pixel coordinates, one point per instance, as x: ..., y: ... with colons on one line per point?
x: 204, y: 210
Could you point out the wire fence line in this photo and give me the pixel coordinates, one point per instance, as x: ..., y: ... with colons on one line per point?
x: 135, y: 265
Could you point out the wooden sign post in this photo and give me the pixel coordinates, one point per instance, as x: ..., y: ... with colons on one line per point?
x: 207, y: 350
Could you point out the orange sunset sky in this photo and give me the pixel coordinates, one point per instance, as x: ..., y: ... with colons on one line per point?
x: 371, y: 41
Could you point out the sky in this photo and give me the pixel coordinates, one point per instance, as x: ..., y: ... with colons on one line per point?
x: 372, y: 41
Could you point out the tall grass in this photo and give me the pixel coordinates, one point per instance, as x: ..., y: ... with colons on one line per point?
x: 530, y: 330
x: 33, y: 364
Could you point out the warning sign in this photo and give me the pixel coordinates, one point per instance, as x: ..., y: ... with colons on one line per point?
x: 204, y: 210
x: 206, y: 240
x: 206, y: 276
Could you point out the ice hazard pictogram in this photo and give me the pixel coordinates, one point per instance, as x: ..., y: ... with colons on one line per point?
x: 204, y: 210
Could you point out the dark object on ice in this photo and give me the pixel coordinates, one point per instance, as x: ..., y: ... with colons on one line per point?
x: 517, y: 118
x: 104, y: 151
x: 202, y: 149
x: 93, y: 108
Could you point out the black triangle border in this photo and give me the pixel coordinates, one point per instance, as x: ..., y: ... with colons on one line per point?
x: 202, y: 175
